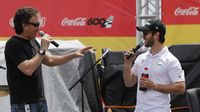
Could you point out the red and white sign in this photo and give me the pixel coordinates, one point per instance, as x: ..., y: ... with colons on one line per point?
x: 191, y: 11
x: 75, y: 17
x: 181, y: 11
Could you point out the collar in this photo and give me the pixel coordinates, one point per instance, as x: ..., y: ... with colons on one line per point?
x: 160, y: 53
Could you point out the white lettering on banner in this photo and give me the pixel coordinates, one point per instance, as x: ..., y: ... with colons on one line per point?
x: 42, y: 21
x: 191, y: 11
x: 11, y: 22
x: 80, y: 21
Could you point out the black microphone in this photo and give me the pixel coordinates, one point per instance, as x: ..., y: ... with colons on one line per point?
x: 1, y: 67
x: 138, y: 46
x: 41, y: 33
x: 136, y: 49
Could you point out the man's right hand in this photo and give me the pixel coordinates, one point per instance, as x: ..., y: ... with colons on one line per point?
x: 45, y: 41
x: 128, y: 57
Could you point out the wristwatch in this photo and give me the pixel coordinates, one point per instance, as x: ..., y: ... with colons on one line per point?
x: 41, y: 52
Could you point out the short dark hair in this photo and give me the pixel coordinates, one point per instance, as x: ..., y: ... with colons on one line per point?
x: 161, y: 38
x: 23, y: 15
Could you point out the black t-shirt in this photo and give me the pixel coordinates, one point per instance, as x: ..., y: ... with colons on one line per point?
x: 23, y: 88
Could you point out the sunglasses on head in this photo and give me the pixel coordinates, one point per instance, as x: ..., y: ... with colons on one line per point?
x: 35, y: 24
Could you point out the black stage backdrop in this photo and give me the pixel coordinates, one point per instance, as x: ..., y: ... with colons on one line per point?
x: 189, y: 57
x: 90, y: 82
x: 113, y: 89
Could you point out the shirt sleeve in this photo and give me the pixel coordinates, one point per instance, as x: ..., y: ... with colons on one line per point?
x: 176, y: 73
x: 135, y: 67
x: 15, y: 53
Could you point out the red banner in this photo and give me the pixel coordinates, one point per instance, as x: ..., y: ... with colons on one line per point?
x: 181, y: 11
x: 76, y: 17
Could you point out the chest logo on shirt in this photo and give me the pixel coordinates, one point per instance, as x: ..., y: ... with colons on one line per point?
x: 159, y: 64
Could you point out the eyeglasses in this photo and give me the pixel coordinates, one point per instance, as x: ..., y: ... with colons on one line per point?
x: 34, y: 24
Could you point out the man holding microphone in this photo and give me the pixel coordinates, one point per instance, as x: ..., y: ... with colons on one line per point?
x: 24, y: 56
x: 157, y: 72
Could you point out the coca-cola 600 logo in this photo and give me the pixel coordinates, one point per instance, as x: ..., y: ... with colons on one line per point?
x: 191, y: 11
x: 82, y: 21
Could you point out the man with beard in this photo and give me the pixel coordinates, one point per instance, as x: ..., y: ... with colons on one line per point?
x: 165, y: 74
x: 24, y: 56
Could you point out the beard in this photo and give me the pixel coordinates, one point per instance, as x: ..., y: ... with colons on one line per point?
x: 149, y: 43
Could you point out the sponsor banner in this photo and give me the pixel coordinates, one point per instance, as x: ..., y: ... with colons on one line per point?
x: 181, y: 11
x: 75, y: 17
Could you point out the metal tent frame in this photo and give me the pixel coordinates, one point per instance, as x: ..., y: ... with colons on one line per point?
x: 146, y: 9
